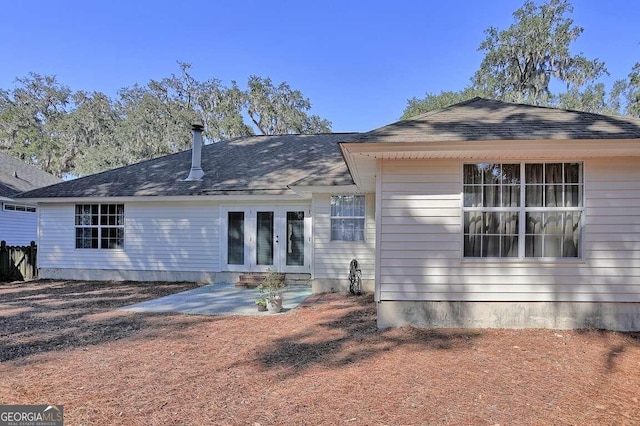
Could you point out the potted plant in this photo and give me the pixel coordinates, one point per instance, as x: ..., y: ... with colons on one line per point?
x: 271, y: 287
x: 261, y: 304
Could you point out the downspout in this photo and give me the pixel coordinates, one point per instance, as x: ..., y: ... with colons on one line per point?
x: 378, y: 219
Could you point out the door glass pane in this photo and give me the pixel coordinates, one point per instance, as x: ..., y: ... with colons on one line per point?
x: 235, y: 238
x: 295, y: 238
x: 264, y: 239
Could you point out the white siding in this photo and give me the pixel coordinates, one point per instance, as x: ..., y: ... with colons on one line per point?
x: 18, y: 228
x: 332, y: 258
x: 420, y: 242
x: 158, y: 237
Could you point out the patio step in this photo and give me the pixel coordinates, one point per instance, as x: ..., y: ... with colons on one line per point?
x: 297, y: 279
x: 254, y: 279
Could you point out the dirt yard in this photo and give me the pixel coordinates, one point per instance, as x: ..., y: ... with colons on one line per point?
x: 64, y: 343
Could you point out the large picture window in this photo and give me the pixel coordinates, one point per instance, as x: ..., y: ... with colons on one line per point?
x: 99, y: 226
x: 531, y: 210
x: 347, y: 217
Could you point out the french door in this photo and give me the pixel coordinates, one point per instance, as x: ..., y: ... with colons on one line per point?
x: 266, y: 238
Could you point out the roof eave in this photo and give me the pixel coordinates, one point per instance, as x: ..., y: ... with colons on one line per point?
x: 292, y: 196
x: 504, y: 149
x: 308, y: 191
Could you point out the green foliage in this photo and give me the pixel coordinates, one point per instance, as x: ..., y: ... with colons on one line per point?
x: 90, y: 131
x: 633, y: 92
x: 277, y: 110
x: 433, y: 102
x: 624, y: 97
x: 521, y: 61
x: 593, y: 98
x: 32, y: 121
x: 272, y: 284
x: 46, y: 124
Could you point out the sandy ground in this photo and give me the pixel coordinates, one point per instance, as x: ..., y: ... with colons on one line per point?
x: 324, y: 363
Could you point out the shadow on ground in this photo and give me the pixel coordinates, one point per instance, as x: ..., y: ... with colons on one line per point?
x: 351, y: 336
x: 44, y: 316
x: 615, y: 349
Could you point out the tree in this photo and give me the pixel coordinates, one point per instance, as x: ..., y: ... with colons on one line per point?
x: 75, y: 133
x: 521, y: 61
x: 280, y: 110
x: 90, y: 130
x: 31, y: 116
x: 154, y: 119
x: 633, y: 92
x: 432, y: 101
x: 593, y: 98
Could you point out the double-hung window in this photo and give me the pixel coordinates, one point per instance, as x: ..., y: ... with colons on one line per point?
x: 523, y: 210
x: 99, y: 226
x: 347, y: 217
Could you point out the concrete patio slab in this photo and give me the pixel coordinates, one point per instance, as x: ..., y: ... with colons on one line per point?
x: 218, y: 299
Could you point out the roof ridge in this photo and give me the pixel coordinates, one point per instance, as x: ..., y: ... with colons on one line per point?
x: 546, y: 107
x: 289, y: 134
x: 439, y: 110
x: 577, y: 111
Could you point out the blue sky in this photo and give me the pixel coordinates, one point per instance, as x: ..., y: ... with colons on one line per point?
x: 357, y: 61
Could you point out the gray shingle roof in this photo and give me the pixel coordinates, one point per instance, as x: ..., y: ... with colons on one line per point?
x: 270, y: 164
x: 16, y: 176
x: 244, y: 165
x: 483, y: 119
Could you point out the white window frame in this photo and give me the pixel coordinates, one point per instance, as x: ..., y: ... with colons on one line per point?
x: 522, y: 212
x: 18, y: 208
x: 250, y: 227
x: 363, y: 218
x: 99, y: 226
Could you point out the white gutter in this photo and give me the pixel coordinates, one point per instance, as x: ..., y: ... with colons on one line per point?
x: 455, y: 149
x: 306, y: 191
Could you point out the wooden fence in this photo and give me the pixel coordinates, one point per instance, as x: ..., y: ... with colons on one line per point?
x: 18, y: 263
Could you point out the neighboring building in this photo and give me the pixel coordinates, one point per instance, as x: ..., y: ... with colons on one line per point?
x: 19, y: 220
x: 482, y: 214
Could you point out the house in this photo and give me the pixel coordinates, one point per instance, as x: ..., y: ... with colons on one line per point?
x: 19, y: 219
x: 481, y: 214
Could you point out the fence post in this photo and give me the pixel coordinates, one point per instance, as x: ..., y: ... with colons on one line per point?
x: 33, y: 257
x: 4, y: 260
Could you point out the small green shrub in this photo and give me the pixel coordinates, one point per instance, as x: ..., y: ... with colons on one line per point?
x: 272, y: 284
